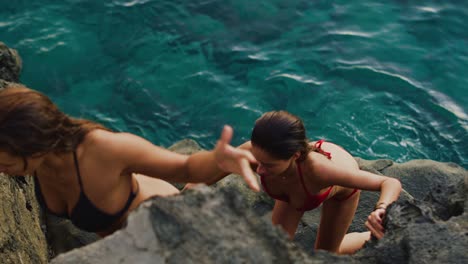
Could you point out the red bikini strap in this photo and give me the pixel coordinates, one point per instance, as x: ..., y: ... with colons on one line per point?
x: 318, y: 147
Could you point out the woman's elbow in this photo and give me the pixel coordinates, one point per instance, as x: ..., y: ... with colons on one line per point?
x: 394, y: 184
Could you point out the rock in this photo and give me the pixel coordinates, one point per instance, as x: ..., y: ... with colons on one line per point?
x: 204, y: 225
x: 308, y: 227
x: 444, y: 180
x: 433, y: 227
x: 4, y: 84
x: 10, y: 64
x: 415, y: 177
x: 63, y: 236
x: 230, y: 223
x: 414, y: 235
x: 21, y: 238
x: 186, y: 147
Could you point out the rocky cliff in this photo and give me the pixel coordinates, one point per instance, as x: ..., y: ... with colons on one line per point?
x: 22, y: 239
x: 228, y: 223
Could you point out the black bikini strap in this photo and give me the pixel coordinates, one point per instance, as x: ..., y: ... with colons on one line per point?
x: 77, y: 170
x: 37, y: 189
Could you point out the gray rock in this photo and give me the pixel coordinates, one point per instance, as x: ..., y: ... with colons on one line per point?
x: 442, y: 184
x: 202, y: 226
x: 21, y: 237
x: 63, y: 236
x: 415, y: 235
x: 433, y: 227
x: 228, y: 223
x: 414, y: 175
x: 4, y: 84
x: 10, y: 64
x: 186, y: 146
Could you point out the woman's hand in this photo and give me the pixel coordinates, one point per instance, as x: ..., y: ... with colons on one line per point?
x: 235, y: 160
x: 374, y: 222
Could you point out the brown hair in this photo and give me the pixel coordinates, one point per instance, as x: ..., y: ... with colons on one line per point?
x: 281, y: 134
x: 30, y: 123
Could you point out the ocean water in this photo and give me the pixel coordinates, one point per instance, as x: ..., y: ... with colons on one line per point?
x: 383, y: 80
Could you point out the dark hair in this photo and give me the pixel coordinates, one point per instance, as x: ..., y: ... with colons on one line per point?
x: 30, y: 123
x: 281, y: 134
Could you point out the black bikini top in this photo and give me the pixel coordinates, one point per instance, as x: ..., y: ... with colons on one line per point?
x: 85, y: 215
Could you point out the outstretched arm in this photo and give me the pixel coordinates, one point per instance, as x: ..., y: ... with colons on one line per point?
x: 225, y: 159
x: 137, y: 155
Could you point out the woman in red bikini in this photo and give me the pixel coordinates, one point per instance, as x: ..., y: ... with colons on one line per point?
x: 301, y: 176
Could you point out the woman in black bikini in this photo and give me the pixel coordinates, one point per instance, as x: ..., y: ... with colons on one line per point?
x: 92, y: 175
x: 300, y: 176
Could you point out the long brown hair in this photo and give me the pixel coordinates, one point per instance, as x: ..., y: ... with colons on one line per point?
x: 281, y: 134
x: 30, y: 123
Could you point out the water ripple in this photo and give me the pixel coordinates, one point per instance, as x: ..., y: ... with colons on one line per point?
x: 447, y: 103
x: 296, y: 77
x: 429, y: 9
x: 351, y: 33
x: 398, y: 76
x: 442, y: 100
x: 129, y: 3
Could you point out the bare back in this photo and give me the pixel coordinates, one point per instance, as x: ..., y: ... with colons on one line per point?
x: 339, y: 155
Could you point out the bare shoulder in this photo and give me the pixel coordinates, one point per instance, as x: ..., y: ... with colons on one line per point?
x: 246, y: 145
x: 339, y: 158
x: 131, y: 153
x: 105, y: 136
x: 104, y: 140
x: 107, y: 146
x: 330, y: 147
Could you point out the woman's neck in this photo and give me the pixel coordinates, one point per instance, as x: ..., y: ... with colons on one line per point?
x: 290, y: 172
x: 54, y: 166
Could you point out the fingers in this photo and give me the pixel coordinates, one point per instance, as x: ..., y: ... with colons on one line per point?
x: 223, y: 142
x: 378, y: 234
x: 249, y: 176
x: 250, y: 157
x: 226, y: 134
x: 374, y: 223
x: 243, y: 158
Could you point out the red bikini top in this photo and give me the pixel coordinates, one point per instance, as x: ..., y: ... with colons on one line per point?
x: 313, y: 200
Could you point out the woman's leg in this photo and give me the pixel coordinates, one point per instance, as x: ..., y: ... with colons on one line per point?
x: 147, y: 187
x: 352, y: 242
x: 336, y: 217
x: 189, y: 186
x: 286, y: 216
x: 150, y: 187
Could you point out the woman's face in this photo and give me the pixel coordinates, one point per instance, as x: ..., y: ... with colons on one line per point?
x: 268, y: 165
x: 14, y: 165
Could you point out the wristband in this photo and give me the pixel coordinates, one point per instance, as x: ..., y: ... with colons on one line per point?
x: 381, y: 205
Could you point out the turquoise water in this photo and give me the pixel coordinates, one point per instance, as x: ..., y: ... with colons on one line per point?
x: 384, y: 80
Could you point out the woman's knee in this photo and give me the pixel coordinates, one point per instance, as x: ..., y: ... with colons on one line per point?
x: 150, y: 187
x: 352, y: 242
